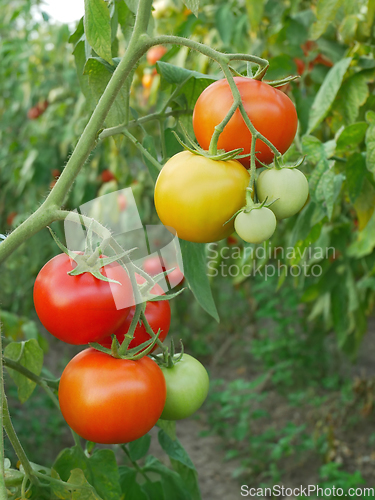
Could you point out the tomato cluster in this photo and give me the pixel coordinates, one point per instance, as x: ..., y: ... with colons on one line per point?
x: 203, y: 198
x: 106, y: 397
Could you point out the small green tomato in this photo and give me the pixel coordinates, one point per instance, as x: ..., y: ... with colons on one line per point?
x: 256, y: 226
x: 288, y: 186
x: 187, y: 387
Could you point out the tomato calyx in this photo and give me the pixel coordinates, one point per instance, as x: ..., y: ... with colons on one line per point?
x: 278, y: 163
x: 90, y: 261
x: 221, y: 154
x: 168, y: 357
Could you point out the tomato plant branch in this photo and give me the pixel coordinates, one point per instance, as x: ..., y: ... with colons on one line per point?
x: 142, y: 149
x: 134, y: 463
x: 13, y: 438
x: 108, y: 132
x: 10, y: 363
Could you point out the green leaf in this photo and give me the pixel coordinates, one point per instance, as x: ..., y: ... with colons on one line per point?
x: 194, y: 259
x: 352, y: 95
x: 59, y: 489
x: 352, y: 136
x: 325, y: 14
x: 313, y: 148
x: 97, y: 24
x: 370, y: 142
x: 139, y: 448
x: 80, y: 60
x: 328, y: 189
x: 302, y: 226
x: 365, y: 242
x: 191, y: 83
x: 173, y: 485
x: 168, y: 426
x: 315, y: 178
x: 174, y: 449
x: 172, y: 145
x: 77, y: 35
x: 100, y: 470
x: 327, y: 93
x: 225, y: 22
x: 193, y: 5
x: 129, y: 486
x: 348, y: 29
x: 154, y: 490
x: 99, y: 73
x: 149, y: 144
x: 86, y: 492
x: 355, y: 171
x: 190, y: 478
x: 29, y: 355
x: 255, y: 10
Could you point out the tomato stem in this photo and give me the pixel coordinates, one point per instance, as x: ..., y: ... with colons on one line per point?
x: 3, y: 492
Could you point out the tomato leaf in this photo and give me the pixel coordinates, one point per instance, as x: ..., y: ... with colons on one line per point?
x: 29, y: 355
x: 174, y: 449
x: 225, y: 22
x: 97, y: 23
x: 194, y: 259
x: 355, y: 171
x: 129, y: 486
x: 173, y: 485
x: 370, y: 141
x: 99, y: 73
x: 86, y: 492
x: 365, y: 242
x: 327, y: 93
x: 352, y: 136
x: 325, y: 13
x: 154, y: 490
x: 139, y: 448
x: 100, y: 470
x: 193, y: 5
x: 339, y: 304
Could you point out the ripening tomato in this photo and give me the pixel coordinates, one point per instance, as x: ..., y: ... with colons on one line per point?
x: 255, y: 226
x: 187, y: 388
x: 155, y: 53
x: 107, y: 176
x: 288, y: 186
x: 271, y: 111
x: 158, y: 315
x: 111, y: 401
x: 33, y: 113
x: 11, y: 218
x: 81, y: 309
x: 196, y: 196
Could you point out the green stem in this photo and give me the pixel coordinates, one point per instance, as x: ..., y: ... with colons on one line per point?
x: 3, y: 491
x: 68, y: 486
x: 151, y: 332
x: 134, y: 463
x: 13, y: 438
x: 108, y: 132
x: 10, y: 363
x: 252, y: 162
x: 142, y: 149
x: 219, y: 128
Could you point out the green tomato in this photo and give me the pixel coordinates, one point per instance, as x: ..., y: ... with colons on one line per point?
x: 256, y: 226
x: 187, y: 388
x: 288, y: 186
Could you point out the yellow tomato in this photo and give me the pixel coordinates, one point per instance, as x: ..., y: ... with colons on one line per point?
x: 195, y: 196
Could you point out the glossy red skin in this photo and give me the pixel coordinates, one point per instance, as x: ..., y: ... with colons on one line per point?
x: 158, y: 315
x: 271, y: 111
x: 80, y: 309
x: 111, y: 401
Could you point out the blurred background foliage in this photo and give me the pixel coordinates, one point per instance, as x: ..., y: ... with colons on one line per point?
x: 292, y: 336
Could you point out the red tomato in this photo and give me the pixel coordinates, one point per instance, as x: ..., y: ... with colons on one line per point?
x: 33, y: 113
x: 111, y: 401
x: 155, y: 53
x: 154, y: 266
x: 11, y: 217
x: 55, y: 173
x: 272, y: 113
x: 107, y: 176
x: 321, y: 59
x: 300, y: 65
x: 81, y: 309
x: 158, y: 315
